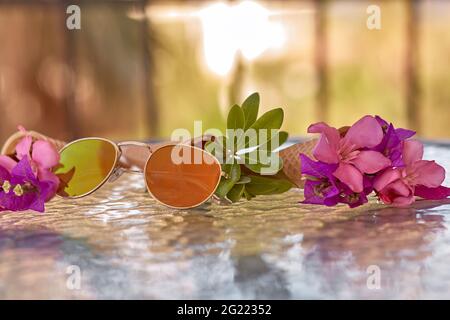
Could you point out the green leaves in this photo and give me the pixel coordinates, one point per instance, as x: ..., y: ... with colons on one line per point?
x: 272, y: 119
x: 236, y: 119
x: 250, y: 108
x: 269, y: 121
x: 233, y: 174
x: 270, y: 166
x: 236, y: 193
x: 247, y: 151
x: 265, y: 185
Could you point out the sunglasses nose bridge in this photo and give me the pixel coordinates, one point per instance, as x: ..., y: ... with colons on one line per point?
x: 133, y: 155
x: 118, y: 171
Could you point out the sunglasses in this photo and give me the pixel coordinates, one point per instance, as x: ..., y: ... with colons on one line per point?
x: 179, y: 176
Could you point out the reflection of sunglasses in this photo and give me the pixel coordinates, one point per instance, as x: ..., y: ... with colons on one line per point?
x: 180, y: 176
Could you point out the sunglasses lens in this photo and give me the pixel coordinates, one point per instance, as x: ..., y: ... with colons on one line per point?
x: 85, y: 166
x: 182, y: 176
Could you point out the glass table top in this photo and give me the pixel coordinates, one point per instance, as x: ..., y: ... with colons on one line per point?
x: 119, y: 243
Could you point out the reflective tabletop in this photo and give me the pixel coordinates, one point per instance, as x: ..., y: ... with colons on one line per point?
x: 120, y: 244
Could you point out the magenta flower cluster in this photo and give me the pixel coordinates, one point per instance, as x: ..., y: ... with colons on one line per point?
x: 27, y: 180
x: 372, y: 156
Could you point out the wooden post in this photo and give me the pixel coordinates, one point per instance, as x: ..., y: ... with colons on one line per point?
x: 70, y: 106
x: 321, y: 60
x: 236, y: 80
x: 413, y: 93
x: 151, y: 106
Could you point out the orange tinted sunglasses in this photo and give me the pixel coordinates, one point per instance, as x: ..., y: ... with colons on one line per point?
x: 177, y: 175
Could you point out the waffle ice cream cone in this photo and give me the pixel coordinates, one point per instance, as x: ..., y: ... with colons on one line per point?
x: 291, y: 160
x: 10, y: 144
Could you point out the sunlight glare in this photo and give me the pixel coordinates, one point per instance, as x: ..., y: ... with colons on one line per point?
x: 244, y: 27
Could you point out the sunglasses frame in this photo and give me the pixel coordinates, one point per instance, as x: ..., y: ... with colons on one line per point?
x: 116, y: 170
x: 108, y: 176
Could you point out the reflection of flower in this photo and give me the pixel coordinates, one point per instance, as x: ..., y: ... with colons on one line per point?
x: 371, y: 155
x: 397, y: 185
x: 21, y: 189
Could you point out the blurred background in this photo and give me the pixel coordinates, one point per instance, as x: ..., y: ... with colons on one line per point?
x: 139, y: 69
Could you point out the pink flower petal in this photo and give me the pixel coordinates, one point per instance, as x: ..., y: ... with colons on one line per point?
x: 23, y: 147
x: 403, y: 201
x: 351, y: 176
x: 427, y: 173
x: 412, y: 151
x: 400, y: 188
x: 371, y: 162
x: 21, y: 128
x: 386, y: 177
x: 7, y: 163
x: 326, y: 148
x: 366, y: 132
x: 45, y: 154
x: 397, y: 193
x: 438, y: 193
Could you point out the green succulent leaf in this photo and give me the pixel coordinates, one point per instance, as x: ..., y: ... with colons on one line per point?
x: 236, y: 119
x: 244, y: 180
x: 235, y: 194
x: 266, y: 149
x: 265, y: 186
x: 271, y: 120
x: 250, y: 108
x: 244, y: 131
x: 233, y: 172
x: 281, y: 136
x: 235, y: 125
x: 268, y: 167
x: 248, y: 195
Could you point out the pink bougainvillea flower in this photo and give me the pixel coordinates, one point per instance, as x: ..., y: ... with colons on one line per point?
x: 21, y: 190
x: 42, y: 153
x: 322, y: 187
x: 391, y: 145
x: 7, y: 162
x: 401, y: 133
x: 355, y: 199
x: 43, y: 157
x: 398, y: 186
x: 350, y: 152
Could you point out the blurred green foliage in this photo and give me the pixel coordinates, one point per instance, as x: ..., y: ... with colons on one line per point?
x: 366, y: 71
